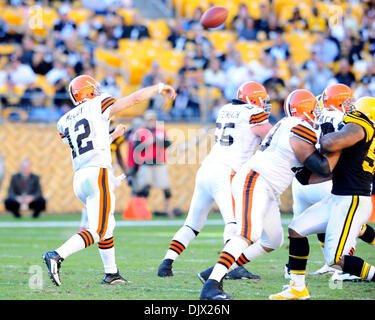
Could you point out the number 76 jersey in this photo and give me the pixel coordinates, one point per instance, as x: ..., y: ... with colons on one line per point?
x: 235, y: 141
x: 86, y: 130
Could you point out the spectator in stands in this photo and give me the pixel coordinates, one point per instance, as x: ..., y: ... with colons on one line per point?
x: 214, y: 75
x: 150, y: 155
x: 58, y: 72
x: 239, y: 21
x: 351, y: 49
x: 177, y: 37
x: 261, y: 24
x: 344, y: 75
x: 279, y: 49
x: 236, y: 75
x: 39, y: 63
x: 199, y: 59
x: 64, y: 27
x: 249, y: 32
x: 317, y: 77
x: 262, y: 69
x: 198, y: 37
x: 187, y: 69
x: 274, y: 27
x: 326, y: 48
x: 39, y: 110
x: 316, y: 22
x: 21, y: 74
x: 198, y: 11
x: 28, y: 48
x: 186, y: 106
x: 275, y: 85
x: 296, y: 22
x: 25, y: 192
x: 136, y: 30
x: 351, y: 22
x: 109, y: 84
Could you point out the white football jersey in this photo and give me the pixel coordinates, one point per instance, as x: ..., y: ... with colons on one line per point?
x: 275, y: 158
x: 333, y: 116
x: 235, y: 142
x: 86, y: 129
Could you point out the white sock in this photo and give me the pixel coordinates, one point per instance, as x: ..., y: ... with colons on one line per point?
x: 72, y: 245
x: 298, y: 279
x: 108, y: 259
x: 252, y: 252
x: 180, y: 241
x: 228, y: 256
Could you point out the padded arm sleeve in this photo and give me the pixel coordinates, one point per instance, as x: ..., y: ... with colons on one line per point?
x: 318, y: 164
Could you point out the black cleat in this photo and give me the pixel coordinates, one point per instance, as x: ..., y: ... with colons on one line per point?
x: 240, y: 273
x: 213, y: 290
x: 165, y: 269
x: 53, y: 263
x: 204, y: 275
x: 114, y: 278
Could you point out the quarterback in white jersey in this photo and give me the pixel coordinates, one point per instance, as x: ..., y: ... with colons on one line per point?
x: 261, y: 180
x: 86, y: 130
x: 240, y: 127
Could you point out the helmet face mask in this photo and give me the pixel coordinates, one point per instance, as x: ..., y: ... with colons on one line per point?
x: 338, y: 97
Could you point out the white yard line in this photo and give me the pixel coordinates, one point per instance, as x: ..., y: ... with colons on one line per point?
x: 121, y: 223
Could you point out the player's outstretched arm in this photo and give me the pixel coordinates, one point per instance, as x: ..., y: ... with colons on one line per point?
x: 142, y: 95
x: 348, y: 136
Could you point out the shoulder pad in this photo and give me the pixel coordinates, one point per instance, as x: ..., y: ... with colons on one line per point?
x: 361, y: 119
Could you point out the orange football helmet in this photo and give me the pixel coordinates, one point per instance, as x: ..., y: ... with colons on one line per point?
x: 338, y: 97
x: 301, y: 103
x: 254, y: 93
x: 82, y: 88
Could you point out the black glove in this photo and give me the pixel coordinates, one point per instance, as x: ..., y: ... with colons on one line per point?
x: 302, y: 174
x: 327, y: 127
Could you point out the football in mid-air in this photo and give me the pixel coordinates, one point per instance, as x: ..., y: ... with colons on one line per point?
x: 214, y: 17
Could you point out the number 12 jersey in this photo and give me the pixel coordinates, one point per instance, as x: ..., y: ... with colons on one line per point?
x: 86, y: 130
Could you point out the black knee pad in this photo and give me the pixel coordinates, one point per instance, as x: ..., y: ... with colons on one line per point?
x: 167, y: 193
x: 144, y: 193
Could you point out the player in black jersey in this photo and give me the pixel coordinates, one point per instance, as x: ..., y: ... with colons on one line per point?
x: 341, y: 215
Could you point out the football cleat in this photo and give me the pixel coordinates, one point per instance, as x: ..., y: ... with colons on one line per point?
x: 240, y: 273
x: 343, y: 276
x: 165, y: 269
x: 324, y: 270
x: 204, y: 275
x: 114, y: 278
x: 291, y: 293
x: 213, y: 290
x: 53, y: 262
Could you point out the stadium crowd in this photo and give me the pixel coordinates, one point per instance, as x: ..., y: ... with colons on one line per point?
x: 35, y: 71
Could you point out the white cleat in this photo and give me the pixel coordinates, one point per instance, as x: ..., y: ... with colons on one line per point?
x: 342, y: 276
x: 291, y: 293
x: 324, y: 270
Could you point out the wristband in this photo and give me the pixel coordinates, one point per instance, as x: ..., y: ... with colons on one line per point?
x: 160, y: 86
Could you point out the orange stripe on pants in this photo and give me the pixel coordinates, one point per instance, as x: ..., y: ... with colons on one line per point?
x: 233, y: 203
x: 247, y: 203
x: 105, y: 202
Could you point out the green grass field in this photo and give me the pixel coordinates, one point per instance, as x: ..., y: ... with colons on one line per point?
x: 139, y: 251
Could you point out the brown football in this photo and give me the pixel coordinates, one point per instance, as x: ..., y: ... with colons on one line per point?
x: 214, y: 17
